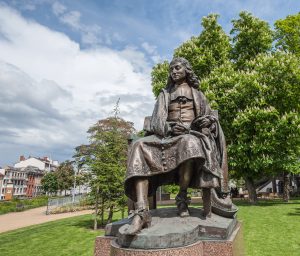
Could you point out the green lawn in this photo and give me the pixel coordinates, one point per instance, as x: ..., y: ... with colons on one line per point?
x: 271, y: 228
x: 72, y: 236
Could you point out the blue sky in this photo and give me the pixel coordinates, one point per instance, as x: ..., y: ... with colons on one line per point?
x: 64, y: 64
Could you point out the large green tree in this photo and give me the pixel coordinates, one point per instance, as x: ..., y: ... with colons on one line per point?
x: 65, y: 176
x: 106, y: 155
x: 256, y: 91
x: 287, y: 34
x: 205, y: 52
x: 259, y: 112
x: 49, y: 183
x: 250, y: 37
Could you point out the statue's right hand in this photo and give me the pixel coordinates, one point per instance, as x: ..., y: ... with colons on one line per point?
x: 178, y: 129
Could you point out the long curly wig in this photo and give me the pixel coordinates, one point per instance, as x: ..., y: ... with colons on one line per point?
x: 191, y: 77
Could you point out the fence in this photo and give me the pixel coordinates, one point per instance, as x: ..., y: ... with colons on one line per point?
x: 54, y: 203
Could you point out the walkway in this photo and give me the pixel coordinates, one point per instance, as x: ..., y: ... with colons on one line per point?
x: 15, y: 220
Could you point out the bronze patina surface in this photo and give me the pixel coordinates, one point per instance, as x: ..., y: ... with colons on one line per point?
x: 185, y: 146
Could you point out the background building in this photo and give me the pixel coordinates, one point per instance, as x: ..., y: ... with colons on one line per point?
x: 44, y: 163
x: 23, y: 180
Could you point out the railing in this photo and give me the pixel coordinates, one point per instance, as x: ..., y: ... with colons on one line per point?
x: 54, y: 203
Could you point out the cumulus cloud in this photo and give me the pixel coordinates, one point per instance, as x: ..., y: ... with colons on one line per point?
x: 152, y: 51
x: 90, y: 34
x: 58, y: 8
x: 72, y: 19
x: 52, y: 90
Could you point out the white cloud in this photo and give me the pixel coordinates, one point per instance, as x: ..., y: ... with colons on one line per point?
x: 90, y: 34
x: 72, y: 19
x: 54, y: 90
x: 58, y: 8
x: 152, y: 51
x: 149, y: 48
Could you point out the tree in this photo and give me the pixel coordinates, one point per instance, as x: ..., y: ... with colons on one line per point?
x: 250, y: 36
x: 281, y: 74
x: 287, y: 34
x: 259, y: 111
x: 106, y: 157
x: 159, y: 77
x: 205, y: 52
x: 65, y: 176
x: 49, y: 183
x: 256, y: 93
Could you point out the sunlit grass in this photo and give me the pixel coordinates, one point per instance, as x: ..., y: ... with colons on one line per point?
x: 270, y: 228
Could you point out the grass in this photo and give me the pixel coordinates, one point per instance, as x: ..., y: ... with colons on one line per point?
x: 270, y: 228
x: 72, y: 236
x: 22, y: 204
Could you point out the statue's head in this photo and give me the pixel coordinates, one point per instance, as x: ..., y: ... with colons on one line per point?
x: 190, y: 78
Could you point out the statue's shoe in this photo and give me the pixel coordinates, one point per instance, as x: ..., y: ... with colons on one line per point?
x: 140, y: 220
x: 183, y: 214
x: 182, y: 202
x: 223, y: 206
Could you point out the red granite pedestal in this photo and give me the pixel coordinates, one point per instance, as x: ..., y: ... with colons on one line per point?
x: 233, y: 246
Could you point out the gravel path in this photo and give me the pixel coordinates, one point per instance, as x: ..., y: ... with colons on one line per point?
x: 15, y: 220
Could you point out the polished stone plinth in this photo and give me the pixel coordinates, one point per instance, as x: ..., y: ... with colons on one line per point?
x: 103, y: 245
x: 232, y: 246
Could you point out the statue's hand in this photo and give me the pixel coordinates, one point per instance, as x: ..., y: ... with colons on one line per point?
x: 205, y: 122
x: 179, y: 129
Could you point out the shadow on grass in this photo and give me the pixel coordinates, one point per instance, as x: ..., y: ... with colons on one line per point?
x: 269, y: 202
x: 296, y: 213
x: 89, y: 224
x: 86, y: 224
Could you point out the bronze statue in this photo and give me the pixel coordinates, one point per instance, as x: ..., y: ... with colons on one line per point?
x: 186, y: 147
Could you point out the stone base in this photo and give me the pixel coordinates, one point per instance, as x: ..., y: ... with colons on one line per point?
x: 103, y: 245
x: 168, y: 230
x: 233, y: 246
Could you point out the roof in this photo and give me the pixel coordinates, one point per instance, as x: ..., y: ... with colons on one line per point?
x: 32, y: 169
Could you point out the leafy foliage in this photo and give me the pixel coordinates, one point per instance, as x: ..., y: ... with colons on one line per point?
x: 207, y: 51
x: 49, y: 183
x: 287, y: 34
x: 106, y: 156
x: 254, y: 88
x: 65, y: 175
x: 159, y: 77
x: 251, y: 36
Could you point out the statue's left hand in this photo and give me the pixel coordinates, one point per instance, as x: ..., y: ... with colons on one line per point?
x: 205, y: 122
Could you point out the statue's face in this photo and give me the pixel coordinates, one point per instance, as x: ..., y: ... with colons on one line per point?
x: 177, y: 72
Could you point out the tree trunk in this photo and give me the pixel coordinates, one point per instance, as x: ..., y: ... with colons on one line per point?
x: 110, y: 214
x: 96, y: 211
x: 251, y: 190
x: 274, y: 187
x: 102, y: 211
x: 123, y: 212
x: 286, y: 186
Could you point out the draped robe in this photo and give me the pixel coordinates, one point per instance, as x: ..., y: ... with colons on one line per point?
x: 158, y: 156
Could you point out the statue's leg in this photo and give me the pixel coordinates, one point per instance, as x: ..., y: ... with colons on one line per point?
x: 185, y: 175
x: 142, y: 217
x: 206, y: 197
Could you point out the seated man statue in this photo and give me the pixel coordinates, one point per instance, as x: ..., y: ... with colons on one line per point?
x: 187, y: 147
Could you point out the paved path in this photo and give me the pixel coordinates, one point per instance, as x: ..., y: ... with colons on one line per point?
x: 15, y: 220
